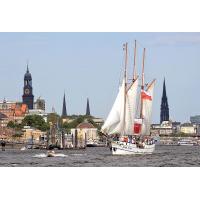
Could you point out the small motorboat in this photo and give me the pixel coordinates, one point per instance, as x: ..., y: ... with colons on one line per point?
x: 51, y: 154
x: 23, y: 148
x: 26, y: 147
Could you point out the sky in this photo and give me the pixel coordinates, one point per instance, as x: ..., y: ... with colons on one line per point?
x: 89, y: 65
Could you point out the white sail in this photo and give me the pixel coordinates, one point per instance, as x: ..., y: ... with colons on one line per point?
x: 147, y: 98
x: 114, y: 122
x: 131, y: 107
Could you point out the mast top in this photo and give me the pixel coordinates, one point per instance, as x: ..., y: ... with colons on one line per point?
x: 134, y: 65
x: 125, y: 48
x: 143, y: 69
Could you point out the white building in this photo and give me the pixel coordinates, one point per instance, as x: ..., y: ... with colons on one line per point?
x: 98, y: 121
x: 188, y: 128
x: 162, y: 129
x: 85, y: 132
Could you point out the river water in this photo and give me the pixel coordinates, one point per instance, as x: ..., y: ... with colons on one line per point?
x: 164, y: 156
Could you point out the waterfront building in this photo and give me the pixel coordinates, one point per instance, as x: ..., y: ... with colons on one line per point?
x: 155, y: 130
x: 84, y: 133
x: 15, y: 111
x: 78, y: 138
x: 188, y: 128
x: 6, y: 107
x: 6, y: 133
x: 176, y: 126
x: 198, y: 129
x: 28, y: 97
x: 31, y: 134
x: 195, y: 119
x: 89, y: 130
x: 165, y: 128
x: 3, y: 120
x: 164, y: 110
x: 88, y: 108
x: 39, y: 104
x: 98, y: 121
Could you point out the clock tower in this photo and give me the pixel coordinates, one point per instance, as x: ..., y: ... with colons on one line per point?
x: 28, y: 97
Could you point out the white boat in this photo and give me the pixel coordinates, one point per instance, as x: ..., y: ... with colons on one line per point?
x: 26, y: 147
x: 129, y: 117
x: 187, y: 142
x: 95, y: 143
x: 51, y: 154
x: 23, y: 149
x: 121, y: 148
x: 91, y: 143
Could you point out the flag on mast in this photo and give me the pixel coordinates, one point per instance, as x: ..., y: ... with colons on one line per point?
x: 145, y: 95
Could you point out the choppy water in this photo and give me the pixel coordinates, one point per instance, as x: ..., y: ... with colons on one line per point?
x: 164, y: 156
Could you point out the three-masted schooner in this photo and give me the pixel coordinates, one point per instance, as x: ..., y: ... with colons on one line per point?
x: 130, y: 117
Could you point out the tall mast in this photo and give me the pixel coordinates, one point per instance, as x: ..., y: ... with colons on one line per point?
x: 143, y: 70
x: 126, y: 60
x: 142, y: 86
x: 134, y: 65
x: 125, y: 79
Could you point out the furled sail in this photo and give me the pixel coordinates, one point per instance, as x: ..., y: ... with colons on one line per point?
x: 131, y: 107
x: 114, y: 122
x: 147, y: 98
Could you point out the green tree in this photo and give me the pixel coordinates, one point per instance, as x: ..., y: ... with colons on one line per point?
x: 79, y: 119
x: 11, y: 124
x: 35, y: 121
x: 14, y: 125
x: 53, y: 118
x: 69, y: 125
x: 90, y: 120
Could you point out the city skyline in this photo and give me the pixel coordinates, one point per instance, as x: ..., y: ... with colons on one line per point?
x: 88, y: 65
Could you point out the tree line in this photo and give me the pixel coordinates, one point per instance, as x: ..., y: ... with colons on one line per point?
x: 38, y: 122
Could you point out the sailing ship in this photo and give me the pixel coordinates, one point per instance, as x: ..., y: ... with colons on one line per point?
x: 129, y: 120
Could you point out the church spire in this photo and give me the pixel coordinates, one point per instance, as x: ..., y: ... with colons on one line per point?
x: 64, y: 110
x: 164, y: 112
x: 28, y: 97
x: 27, y: 70
x: 88, y: 108
x: 164, y: 90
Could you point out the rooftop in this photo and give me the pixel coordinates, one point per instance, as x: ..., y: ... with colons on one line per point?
x: 85, y: 125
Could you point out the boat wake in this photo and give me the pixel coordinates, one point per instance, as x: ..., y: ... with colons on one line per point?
x: 76, y: 154
x: 43, y: 155
x: 60, y: 155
